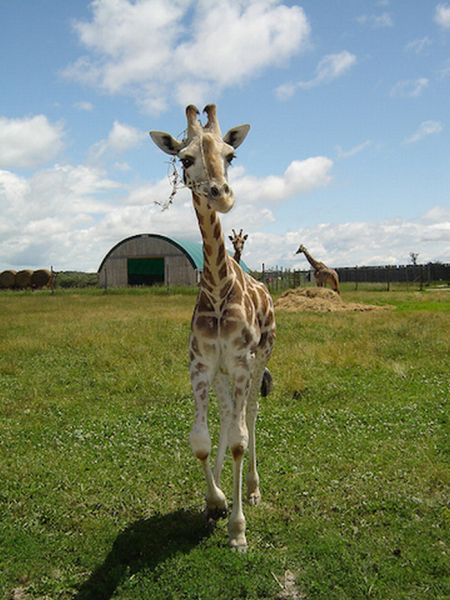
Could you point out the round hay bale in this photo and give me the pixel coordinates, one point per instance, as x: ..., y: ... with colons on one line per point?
x: 23, y: 279
x: 7, y: 279
x: 40, y: 278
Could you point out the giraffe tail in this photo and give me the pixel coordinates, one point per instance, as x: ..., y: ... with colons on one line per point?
x: 266, y: 383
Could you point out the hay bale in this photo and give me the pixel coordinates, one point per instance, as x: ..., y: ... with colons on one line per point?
x: 41, y: 278
x: 23, y: 279
x: 7, y: 279
x: 319, y: 300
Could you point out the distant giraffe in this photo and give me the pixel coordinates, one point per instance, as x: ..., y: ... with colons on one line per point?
x: 322, y: 273
x: 238, y: 241
x: 233, y: 325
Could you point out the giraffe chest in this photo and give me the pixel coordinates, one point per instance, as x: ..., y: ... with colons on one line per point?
x: 230, y: 330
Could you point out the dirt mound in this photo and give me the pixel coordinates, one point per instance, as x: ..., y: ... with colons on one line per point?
x: 318, y: 300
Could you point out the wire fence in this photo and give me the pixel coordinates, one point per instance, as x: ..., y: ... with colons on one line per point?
x: 386, y: 277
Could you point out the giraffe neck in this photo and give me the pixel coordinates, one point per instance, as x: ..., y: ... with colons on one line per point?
x: 314, y: 263
x: 217, y: 273
x: 237, y: 256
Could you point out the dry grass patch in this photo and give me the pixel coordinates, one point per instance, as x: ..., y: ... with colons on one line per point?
x: 319, y: 300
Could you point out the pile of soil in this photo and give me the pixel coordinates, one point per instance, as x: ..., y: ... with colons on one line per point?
x: 319, y: 300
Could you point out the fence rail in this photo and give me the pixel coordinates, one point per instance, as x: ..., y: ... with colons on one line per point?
x: 414, y: 276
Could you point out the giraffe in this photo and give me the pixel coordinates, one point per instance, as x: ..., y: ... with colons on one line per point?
x: 238, y: 240
x: 233, y: 324
x: 322, y: 273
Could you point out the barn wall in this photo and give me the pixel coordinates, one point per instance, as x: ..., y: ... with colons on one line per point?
x: 178, y: 269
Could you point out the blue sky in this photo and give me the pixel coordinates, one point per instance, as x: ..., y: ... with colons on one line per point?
x: 348, y: 102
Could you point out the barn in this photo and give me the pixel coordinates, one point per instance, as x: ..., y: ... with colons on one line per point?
x: 152, y: 259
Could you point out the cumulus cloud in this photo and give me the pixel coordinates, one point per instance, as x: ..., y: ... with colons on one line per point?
x: 358, y: 243
x: 411, y: 88
x: 184, y: 50
x: 29, y: 141
x: 425, y: 129
x: 121, y: 138
x: 442, y: 15
x: 331, y: 67
x: 70, y: 215
x: 300, y: 176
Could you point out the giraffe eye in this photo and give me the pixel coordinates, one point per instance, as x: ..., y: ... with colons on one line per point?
x: 230, y: 158
x: 187, y: 162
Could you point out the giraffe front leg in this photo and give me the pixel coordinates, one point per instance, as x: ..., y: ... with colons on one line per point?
x: 238, y: 441
x: 216, y: 504
x: 226, y: 408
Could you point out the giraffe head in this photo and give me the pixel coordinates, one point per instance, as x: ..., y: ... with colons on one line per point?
x: 238, y: 240
x: 301, y: 248
x: 205, y: 155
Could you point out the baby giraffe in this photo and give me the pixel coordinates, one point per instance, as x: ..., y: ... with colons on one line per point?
x: 233, y: 325
x: 238, y: 240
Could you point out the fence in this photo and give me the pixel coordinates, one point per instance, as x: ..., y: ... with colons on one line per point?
x: 414, y: 276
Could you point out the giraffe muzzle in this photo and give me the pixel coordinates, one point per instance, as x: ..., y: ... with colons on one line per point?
x: 221, y: 198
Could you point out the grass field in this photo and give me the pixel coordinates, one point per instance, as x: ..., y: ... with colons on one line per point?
x: 100, y: 496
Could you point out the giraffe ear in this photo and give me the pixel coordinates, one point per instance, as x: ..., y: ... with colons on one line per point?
x: 230, y: 238
x: 245, y: 236
x: 236, y: 135
x: 166, y: 142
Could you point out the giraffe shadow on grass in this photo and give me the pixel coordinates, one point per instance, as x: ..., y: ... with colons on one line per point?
x: 143, y: 545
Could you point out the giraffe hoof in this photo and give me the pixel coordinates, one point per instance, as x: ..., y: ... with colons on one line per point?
x: 215, y: 513
x: 254, y: 498
x: 239, y: 544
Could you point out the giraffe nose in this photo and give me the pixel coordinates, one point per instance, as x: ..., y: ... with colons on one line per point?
x: 216, y: 191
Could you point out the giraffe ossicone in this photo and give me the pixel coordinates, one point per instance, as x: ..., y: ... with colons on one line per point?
x: 233, y: 325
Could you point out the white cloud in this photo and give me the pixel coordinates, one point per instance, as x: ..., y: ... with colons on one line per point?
x: 418, y: 46
x: 159, y: 52
x: 376, y: 21
x: 29, y: 141
x: 425, y: 129
x: 442, y: 15
x: 70, y: 215
x: 356, y: 243
x: 341, y: 153
x: 331, y: 67
x: 300, y: 176
x: 411, y: 88
x: 83, y: 105
x: 444, y: 72
x: 121, y: 138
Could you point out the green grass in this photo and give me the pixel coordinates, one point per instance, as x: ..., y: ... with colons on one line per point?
x: 100, y: 496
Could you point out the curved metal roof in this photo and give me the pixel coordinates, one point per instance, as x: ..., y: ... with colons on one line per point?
x: 192, y: 250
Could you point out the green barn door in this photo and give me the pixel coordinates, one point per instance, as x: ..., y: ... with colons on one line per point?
x: 145, y: 271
